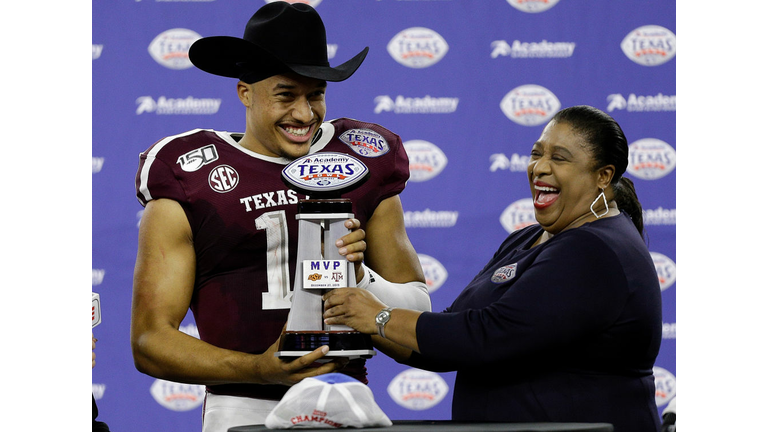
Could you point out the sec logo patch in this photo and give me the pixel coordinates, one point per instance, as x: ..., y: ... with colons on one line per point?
x: 223, y: 178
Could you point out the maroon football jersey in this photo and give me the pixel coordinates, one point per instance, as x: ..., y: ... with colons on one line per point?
x: 243, y: 220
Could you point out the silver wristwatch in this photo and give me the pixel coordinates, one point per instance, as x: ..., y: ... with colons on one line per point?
x: 382, y: 318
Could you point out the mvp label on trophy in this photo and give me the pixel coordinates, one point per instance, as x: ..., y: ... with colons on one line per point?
x: 325, y: 274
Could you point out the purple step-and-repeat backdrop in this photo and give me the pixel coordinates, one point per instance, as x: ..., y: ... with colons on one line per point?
x: 467, y: 84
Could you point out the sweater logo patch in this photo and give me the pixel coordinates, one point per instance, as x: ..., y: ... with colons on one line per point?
x: 503, y: 274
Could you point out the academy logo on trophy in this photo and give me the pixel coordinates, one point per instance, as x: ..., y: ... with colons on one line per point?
x: 324, y: 177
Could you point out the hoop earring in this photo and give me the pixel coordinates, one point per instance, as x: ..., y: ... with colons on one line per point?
x: 605, y: 202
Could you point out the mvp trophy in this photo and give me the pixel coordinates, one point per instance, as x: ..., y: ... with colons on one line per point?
x: 324, y: 177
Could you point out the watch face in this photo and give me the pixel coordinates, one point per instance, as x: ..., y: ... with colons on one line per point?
x: 382, y: 317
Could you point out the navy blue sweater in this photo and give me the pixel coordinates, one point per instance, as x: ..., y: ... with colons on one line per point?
x: 566, y: 331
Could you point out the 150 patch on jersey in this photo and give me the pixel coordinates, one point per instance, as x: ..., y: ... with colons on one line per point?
x: 503, y: 274
x: 197, y: 158
x: 365, y: 142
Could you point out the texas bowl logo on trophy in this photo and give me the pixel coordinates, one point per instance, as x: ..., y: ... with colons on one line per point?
x: 324, y: 177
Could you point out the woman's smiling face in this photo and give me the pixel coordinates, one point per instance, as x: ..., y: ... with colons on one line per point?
x: 562, y: 178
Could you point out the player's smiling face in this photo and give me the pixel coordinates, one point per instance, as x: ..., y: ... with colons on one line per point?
x: 283, y: 114
x: 562, y: 180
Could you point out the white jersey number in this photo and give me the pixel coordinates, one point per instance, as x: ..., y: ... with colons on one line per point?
x: 278, y: 295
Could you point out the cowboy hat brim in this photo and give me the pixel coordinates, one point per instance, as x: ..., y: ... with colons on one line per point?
x: 232, y: 57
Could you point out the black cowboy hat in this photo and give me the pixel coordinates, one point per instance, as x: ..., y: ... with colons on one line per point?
x: 280, y: 37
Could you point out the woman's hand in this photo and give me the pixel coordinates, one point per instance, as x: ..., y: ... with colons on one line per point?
x: 353, y: 307
x: 352, y: 246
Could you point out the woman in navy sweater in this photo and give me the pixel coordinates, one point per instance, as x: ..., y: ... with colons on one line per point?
x: 564, y: 323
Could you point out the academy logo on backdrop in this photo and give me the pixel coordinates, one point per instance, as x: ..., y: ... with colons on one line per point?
x: 430, y: 219
x: 434, y: 272
x: 417, y: 389
x: 365, y: 142
x: 659, y: 216
x: 530, y: 105
x: 408, y: 105
x: 650, y: 45
x: 171, y: 48
x: 666, y: 270
x: 425, y: 160
x: 666, y: 385
x: 651, y: 159
x: 532, y: 6
x: 518, y: 215
x: 177, y: 396
x: 515, y: 162
x: 635, y: 103
x: 543, y: 49
x: 177, y: 106
x: 417, y: 47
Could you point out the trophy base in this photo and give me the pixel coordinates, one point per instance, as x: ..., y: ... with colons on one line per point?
x: 346, y: 344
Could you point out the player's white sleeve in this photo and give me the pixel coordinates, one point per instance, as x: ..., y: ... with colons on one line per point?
x: 411, y: 295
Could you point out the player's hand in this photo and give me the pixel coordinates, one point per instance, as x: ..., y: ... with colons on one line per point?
x: 276, y: 371
x: 352, y: 246
x: 93, y: 353
x: 354, y: 307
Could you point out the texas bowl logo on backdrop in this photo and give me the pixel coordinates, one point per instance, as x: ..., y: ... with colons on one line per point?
x: 651, y: 159
x: 434, y: 272
x: 532, y: 6
x: 171, y: 48
x: 518, y: 215
x: 417, y: 47
x: 666, y: 270
x: 530, y: 105
x: 417, y: 389
x: 666, y: 385
x: 425, y: 160
x: 649, y: 45
x: 177, y: 396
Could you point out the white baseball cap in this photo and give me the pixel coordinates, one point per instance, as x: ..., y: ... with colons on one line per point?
x: 327, y: 401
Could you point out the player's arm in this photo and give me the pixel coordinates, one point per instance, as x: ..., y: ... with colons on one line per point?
x: 398, y: 280
x: 389, y: 252
x: 162, y: 288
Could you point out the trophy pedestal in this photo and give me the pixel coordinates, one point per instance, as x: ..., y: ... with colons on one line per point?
x: 348, y: 344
